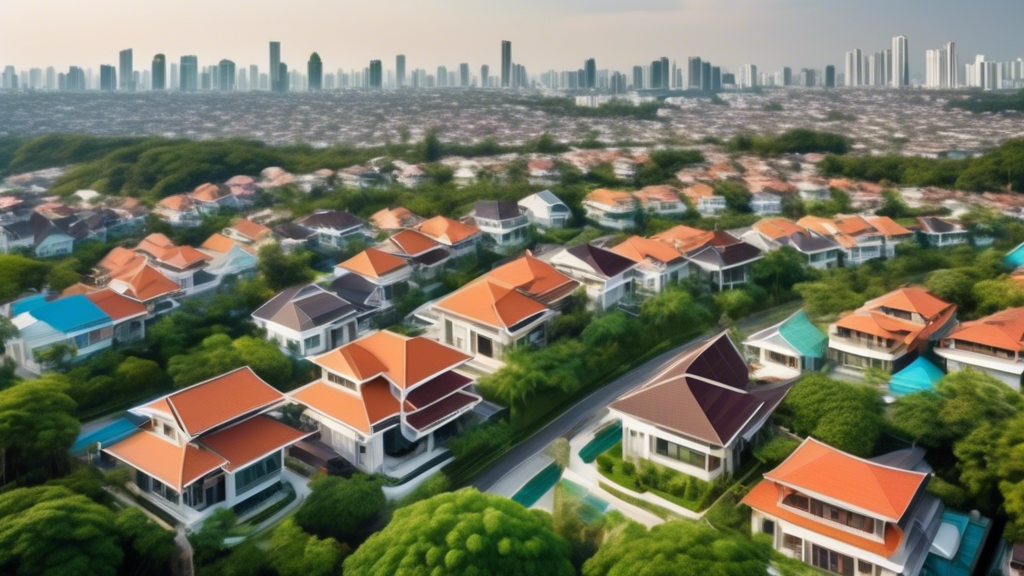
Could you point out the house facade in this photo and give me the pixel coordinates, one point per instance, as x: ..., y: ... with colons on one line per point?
x: 308, y: 320
x: 390, y: 274
x: 941, y: 233
x: 611, y: 208
x: 662, y: 200
x: 993, y: 345
x: 787, y: 349
x: 546, y: 210
x: 503, y: 221
x: 606, y: 276
x: 333, y: 228
x: 658, y: 265
x: 704, y: 199
x: 460, y: 239
x: 773, y: 233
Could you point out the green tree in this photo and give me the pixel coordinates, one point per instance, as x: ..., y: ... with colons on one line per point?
x: 51, y: 531
x: 737, y: 197
x: 846, y: 416
x: 63, y: 275
x: 147, y: 547
x: 779, y: 270
x: 18, y: 274
x: 460, y: 534
x: 295, y: 553
x: 735, y: 303
x: 667, y: 312
x: 57, y: 357
x: 345, y: 510
x: 431, y: 147
x: 282, y: 270
x: 208, y: 542
x: 136, y: 375
x: 37, y: 427
x: 680, y: 548
x: 218, y: 354
x: 953, y: 285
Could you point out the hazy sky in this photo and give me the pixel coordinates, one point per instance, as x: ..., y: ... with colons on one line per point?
x: 545, y: 34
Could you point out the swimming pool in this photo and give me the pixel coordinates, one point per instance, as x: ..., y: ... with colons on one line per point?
x: 532, y: 491
x: 593, y: 508
x: 603, y: 441
x: 116, y: 431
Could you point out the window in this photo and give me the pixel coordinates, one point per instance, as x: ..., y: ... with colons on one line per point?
x: 864, y: 567
x: 82, y: 341
x: 832, y: 561
x: 313, y: 342
x: 680, y: 453
x: 792, y: 543
x: 448, y: 332
x: 768, y: 526
x: 248, y: 477
x: 334, y: 378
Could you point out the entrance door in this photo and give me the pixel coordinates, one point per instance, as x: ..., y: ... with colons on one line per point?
x: 484, y: 347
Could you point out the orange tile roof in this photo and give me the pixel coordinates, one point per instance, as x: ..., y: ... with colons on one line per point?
x: 610, y: 197
x: 828, y: 227
x: 116, y: 259
x: 531, y: 275
x: 661, y: 193
x: 447, y: 231
x: 699, y: 190
x: 156, y: 244
x: 218, y: 243
x: 413, y: 243
x: 394, y: 218
x: 403, y: 360
x: 250, y: 440
x: 491, y: 303
x: 766, y: 497
x: 183, y: 256
x: 373, y: 263
x: 78, y: 288
x: 887, y: 226
x: 208, y: 404
x: 911, y: 299
x: 176, y: 202
x: 684, y: 238
x: 880, y: 490
x: 775, y: 228
x: 115, y: 305
x: 144, y: 283
x: 1003, y: 330
x: 176, y: 466
x: 209, y: 192
x: 250, y: 229
x: 372, y: 404
x: 638, y: 249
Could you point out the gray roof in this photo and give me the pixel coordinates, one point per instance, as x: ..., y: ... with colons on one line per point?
x: 808, y: 242
x: 605, y: 262
x: 303, y: 307
x: 332, y: 220
x: 354, y: 288
x: 549, y: 197
x: 496, y: 209
x: 938, y: 225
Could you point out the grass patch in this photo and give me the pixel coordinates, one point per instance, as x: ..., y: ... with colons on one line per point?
x: 686, y: 491
x: 728, y: 514
x: 639, y: 503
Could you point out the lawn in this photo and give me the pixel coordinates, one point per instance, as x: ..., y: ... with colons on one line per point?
x: 619, y: 475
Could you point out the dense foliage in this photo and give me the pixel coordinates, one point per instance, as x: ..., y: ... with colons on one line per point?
x: 797, y: 141
x: 847, y: 416
x: 343, y: 509
x: 615, y: 108
x: 37, y: 427
x: 991, y: 102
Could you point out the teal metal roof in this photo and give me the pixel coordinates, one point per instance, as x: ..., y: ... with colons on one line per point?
x: 919, y: 375
x: 972, y: 538
x: 27, y: 304
x: 804, y: 336
x: 1015, y: 258
x: 71, y: 314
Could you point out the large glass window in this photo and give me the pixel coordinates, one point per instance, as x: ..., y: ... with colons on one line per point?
x: 313, y: 342
x: 250, y: 476
x: 832, y: 561
x: 680, y: 453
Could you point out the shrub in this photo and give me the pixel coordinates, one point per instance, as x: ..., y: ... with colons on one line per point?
x: 628, y: 468
x: 773, y: 451
x: 605, y: 462
x: 677, y: 485
x: 648, y: 474
x: 691, y: 489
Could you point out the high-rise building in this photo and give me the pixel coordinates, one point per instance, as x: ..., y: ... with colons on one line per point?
x: 590, y: 74
x: 694, y: 69
x: 126, y: 71
x: 638, y: 77
x: 854, y: 68
x: 159, y: 78
x: 716, y: 78
x: 787, y: 76
x: 464, y: 75
x: 283, y: 83
x: 485, y: 76
x: 189, y: 74
x: 506, y: 64
x: 315, y: 72
x: 225, y: 75
x: 75, y: 79
x: 400, y: 70
x: 35, y: 78
x: 952, y: 66
x: 376, y: 75
x: 108, y: 78
x: 254, y: 77
x: 705, y: 76
x: 665, y: 71
x: 174, y: 78
x: 51, y: 78
x: 275, y: 66
x: 900, y: 62
x: 830, y: 76
x: 748, y: 76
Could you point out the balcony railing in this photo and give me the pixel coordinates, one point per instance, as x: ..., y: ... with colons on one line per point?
x: 863, y: 343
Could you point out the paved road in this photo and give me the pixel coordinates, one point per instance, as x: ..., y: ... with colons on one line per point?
x: 593, y: 405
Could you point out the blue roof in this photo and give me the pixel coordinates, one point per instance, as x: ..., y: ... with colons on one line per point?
x: 919, y: 375
x: 804, y: 336
x: 71, y: 314
x: 27, y: 304
x: 972, y: 538
x: 1015, y: 258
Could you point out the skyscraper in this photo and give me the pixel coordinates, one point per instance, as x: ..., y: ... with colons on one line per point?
x: 283, y: 83
x: 159, y: 72
x: 485, y: 75
x: 376, y: 75
x: 400, y: 70
x: 590, y: 74
x: 254, y: 77
x: 748, y: 76
x: 315, y: 71
x: 854, y: 68
x: 108, y: 78
x: 127, y: 72
x: 830, y: 76
x: 665, y: 71
x: 275, y: 66
x: 787, y: 76
x: 189, y: 74
x: 716, y: 78
x: 51, y: 78
x: 705, y: 76
x: 506, y: 64
x: 952, y: 66
x: 225, y: 75
x: 175, y: 78
x: 693, y: 71
x: 638, y: 77
x: 900, y: 62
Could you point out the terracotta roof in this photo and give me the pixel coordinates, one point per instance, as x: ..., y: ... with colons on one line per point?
x: 775, y: 228
x: 250, y: 440
x: 611, y: 197
x: 413, y: 243
x: 911, y: 299
x: 865, y: 485
x: 684, y: 238
x: 176, y: 466
x: 532, y: 276
x: 177, y: 202
x: 373, y: 263
x: 219, y: 400
x: 250, y: 230
x: 209, y: 192
x: 394, y: 218
x: 115, y: 305
x: 447, y: 231
x: 218, y: 243
x: 359, y: 410
x: 144, y: 283
x: 638, y: 249
x: 661, y: 193
x: 404, y: 361
x: 1003, y: 330
x: 766, y: 495
x: 887, y: 226
x: 699, y: 190
x: 117, y: 258
x: 78, y: 288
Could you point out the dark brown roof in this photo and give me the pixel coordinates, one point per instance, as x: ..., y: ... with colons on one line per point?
x: 333, y: 220
x: 604, y: 262
x: 434, y: 413
x: 303, y: 307
x: 496, y: 209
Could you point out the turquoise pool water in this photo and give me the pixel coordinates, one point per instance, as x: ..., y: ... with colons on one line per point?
x: 538, y: 485
x: 593, y: 508
x: 112, y: 433
x: 603, y: 441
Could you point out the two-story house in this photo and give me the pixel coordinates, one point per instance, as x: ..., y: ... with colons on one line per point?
x: 546, y: 210
x: 787, y: 348
x: 606, y: 276
x: 394, y: 219
x: 658, y: 264
x: 769, y: 234
x: 458, y: 238
x: 719, y: 258
x: 993, y: 345
x: 704, y: 199
x: 387, y: 402
x: 185, y: 265
x: 333, y: 228
x: 209, y: 446
x: 662, y: 200
x: 390, y: 274
x: 179, y: 210
x: 211, y: 198
x: 503, y: 221
x: 890, y: 331
x: 941, y: 233
x: 611, y: 208
x: 308, y: 320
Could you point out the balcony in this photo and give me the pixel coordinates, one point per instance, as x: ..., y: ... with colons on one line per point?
x: 864, y: 343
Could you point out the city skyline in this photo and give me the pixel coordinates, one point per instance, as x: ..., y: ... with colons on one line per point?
x: 560, y: 36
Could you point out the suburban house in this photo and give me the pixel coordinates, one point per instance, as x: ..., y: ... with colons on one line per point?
x: 861, y: 238
x: 185, y: 265
x: 992, y: 345
x: 894, y: 233
x: 540, y: 172
x: 243, y: 188
x: 211, y: 198
x: 773, y: 233
x: 360, y: 177
x: 509, y: 307
x: 307, y: 320
x: 721, y: 259
x: 503, y: 221
x: 209, y: 446
x: 45, y: 238
x: 658, y: 265
x: 704, y: 199
x: 129, y: 273
x: 292, y: 236
x: 611, y: 208
x: 812, y: 191
x: 785, y: 350
x: 408, y: 175
x: 87, y: 323
x: 941, y: 233
x: 386, y: 402
x: 394, y: 219
x: 890, y: 331
x: 662, y: 200
x: 333, y: 228
x: 460, y: 239
x: 606, y: 275
x: 700, y: 414
x: 178, y: 210
x: 426, y: 256
x: 765, y: 203
x: 248, y: 232
x: 228, y: 257
x: 848, y: 515
x: 390, y: 275
x: 546, y: 210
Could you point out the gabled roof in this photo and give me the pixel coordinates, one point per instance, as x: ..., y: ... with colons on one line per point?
x: 301, y: 308
x: 394, y: 218
x: 878, y: 490
x: 611, y: 198
x: 546, y: 196
x: 888, y: 226
x: 162, y: 249
x: 605, y: 263
x: 250, y: 229
x: 177, y: 203
x: 911, y: 299
x: 115, y: 305
x: 918, y: 375
x: 209, y: 192
x: 534, y: 277
x: 251, y: 440
x: 331, y: 220
x: 404, y: 361
x: 660, y: 193
x: 1004, y: 330
x: 684, y: 238
x: 373, y: 403
x: 118, y: 258
x: 496, y: 209
x: 373, y: 263
x: 293, y: 231
x: 216, y: 401
x: 638, y: 249
x: 176, y: 466
x: 218, y: 243
x: 413, y: 243
x: 144, y: 283
x: 804, y: 336
x: 937, y: 225
x: 71, y: 314
x: 775, y: 228
x: 447, y: 231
